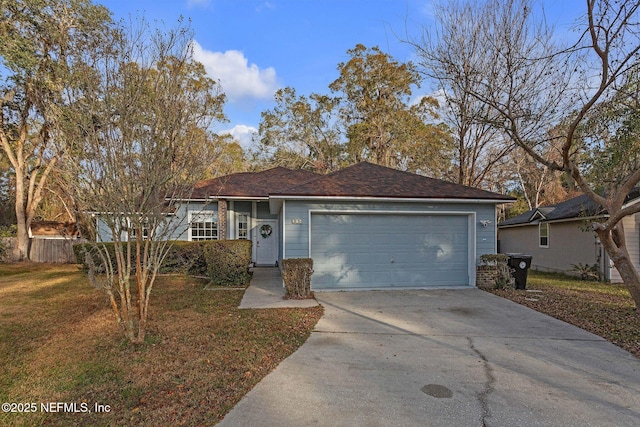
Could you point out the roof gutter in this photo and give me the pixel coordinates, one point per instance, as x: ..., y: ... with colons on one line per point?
x: 276, y: 200
x: 552, y: 221
x: 389, y: 199
x: 238, y: 198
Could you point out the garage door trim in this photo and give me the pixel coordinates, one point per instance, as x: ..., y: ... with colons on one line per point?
x: 471, y: 227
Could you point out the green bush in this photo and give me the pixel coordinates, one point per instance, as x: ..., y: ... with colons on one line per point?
x: 4, y: 248
x: 228, y: 261
x: 184, y: 257
x: 6, y: 232
x: 81, y: 250
x: 9, y: 231
x: 586, y: 271
x: 296, y: 273
x: 225, y: 262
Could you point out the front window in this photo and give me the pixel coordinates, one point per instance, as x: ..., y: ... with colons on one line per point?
x: 203, y: 226
x: 543, y: 233
x: 243, y: 226
x: 146, y: 230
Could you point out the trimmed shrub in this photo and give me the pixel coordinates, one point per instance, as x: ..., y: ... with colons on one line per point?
x: 225, y: 262
x: 82, y: 250
x: 296, y: 273
x: 184, y: 257
x: 228, y: 261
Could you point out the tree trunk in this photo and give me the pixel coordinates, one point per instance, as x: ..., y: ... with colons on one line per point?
x: 630, y: 277
x: 21, y: 252
x: 618, y: 253
x: 23, y: 242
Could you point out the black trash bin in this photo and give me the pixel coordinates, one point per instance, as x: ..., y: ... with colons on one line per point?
x: 520, y: 263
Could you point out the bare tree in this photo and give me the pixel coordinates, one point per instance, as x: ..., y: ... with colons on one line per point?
x: 534, y: 85
x: 541, y: 185
x: 141, y: 123
x: 448, y: 53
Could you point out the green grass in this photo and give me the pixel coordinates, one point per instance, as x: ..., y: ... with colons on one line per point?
x: 604, y: 309
x: 59, y: 343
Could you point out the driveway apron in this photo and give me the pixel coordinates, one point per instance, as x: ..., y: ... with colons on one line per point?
x: 444, y: 358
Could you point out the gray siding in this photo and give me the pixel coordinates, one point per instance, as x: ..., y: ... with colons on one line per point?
x: 568, y: 244
x: 178, y: 223
x: 263, y: 211
x: 182, y: 218
x: 242, y: 206
x: 103, y: 233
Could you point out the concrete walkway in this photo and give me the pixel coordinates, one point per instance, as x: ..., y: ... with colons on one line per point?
x: 444, y: 358
x: 267, y: 291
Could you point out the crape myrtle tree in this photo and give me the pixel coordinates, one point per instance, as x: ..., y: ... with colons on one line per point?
x: 588, y: 89
x: 141, y: 122
x: 42, y: 46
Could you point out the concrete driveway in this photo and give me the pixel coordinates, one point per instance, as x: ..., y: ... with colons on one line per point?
x: 444, y: 358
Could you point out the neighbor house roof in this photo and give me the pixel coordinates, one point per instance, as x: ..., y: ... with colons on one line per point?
x: 53, y: 229
x: 370, y: 180
x: 251, y: 184
x: 578, y: 207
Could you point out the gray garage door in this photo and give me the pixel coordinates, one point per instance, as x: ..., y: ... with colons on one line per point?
x: 384, y: 250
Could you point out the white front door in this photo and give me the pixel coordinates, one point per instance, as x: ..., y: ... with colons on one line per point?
x: 266, y: 238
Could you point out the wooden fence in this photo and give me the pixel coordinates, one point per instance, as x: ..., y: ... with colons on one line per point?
x: 47, y: 250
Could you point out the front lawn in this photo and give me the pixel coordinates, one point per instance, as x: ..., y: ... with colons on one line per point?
x: 59, y: 343
x: 604, y: 309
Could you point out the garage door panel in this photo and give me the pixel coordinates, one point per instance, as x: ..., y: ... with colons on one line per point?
x: 382, y: 250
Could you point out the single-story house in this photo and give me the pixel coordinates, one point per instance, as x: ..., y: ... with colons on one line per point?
x: 558, y: 237
x: 365, y: 226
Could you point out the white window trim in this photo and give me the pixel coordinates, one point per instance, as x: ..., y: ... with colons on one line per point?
x: 238, y: 215
x: 211, y: 214
x: 540, y: 234
x: 146, y: 229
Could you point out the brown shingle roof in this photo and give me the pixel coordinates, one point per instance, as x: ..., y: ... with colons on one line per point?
x: 369, y: 180
x: 360, y: 180
x: 251, y: 184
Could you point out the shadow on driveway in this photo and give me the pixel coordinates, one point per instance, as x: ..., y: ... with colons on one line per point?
x: 444, y: 357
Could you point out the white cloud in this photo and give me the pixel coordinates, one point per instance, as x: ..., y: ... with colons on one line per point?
x: 266, y: 5
x: 439, y: 96
x: 240, y: 80
x: 198, y: 3
x: 243, y: 134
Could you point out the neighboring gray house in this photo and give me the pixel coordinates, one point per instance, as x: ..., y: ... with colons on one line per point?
x: 557, y: 237
x: 365, y: 226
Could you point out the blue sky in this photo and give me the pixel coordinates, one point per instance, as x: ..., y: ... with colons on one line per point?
x: 254, y: 47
